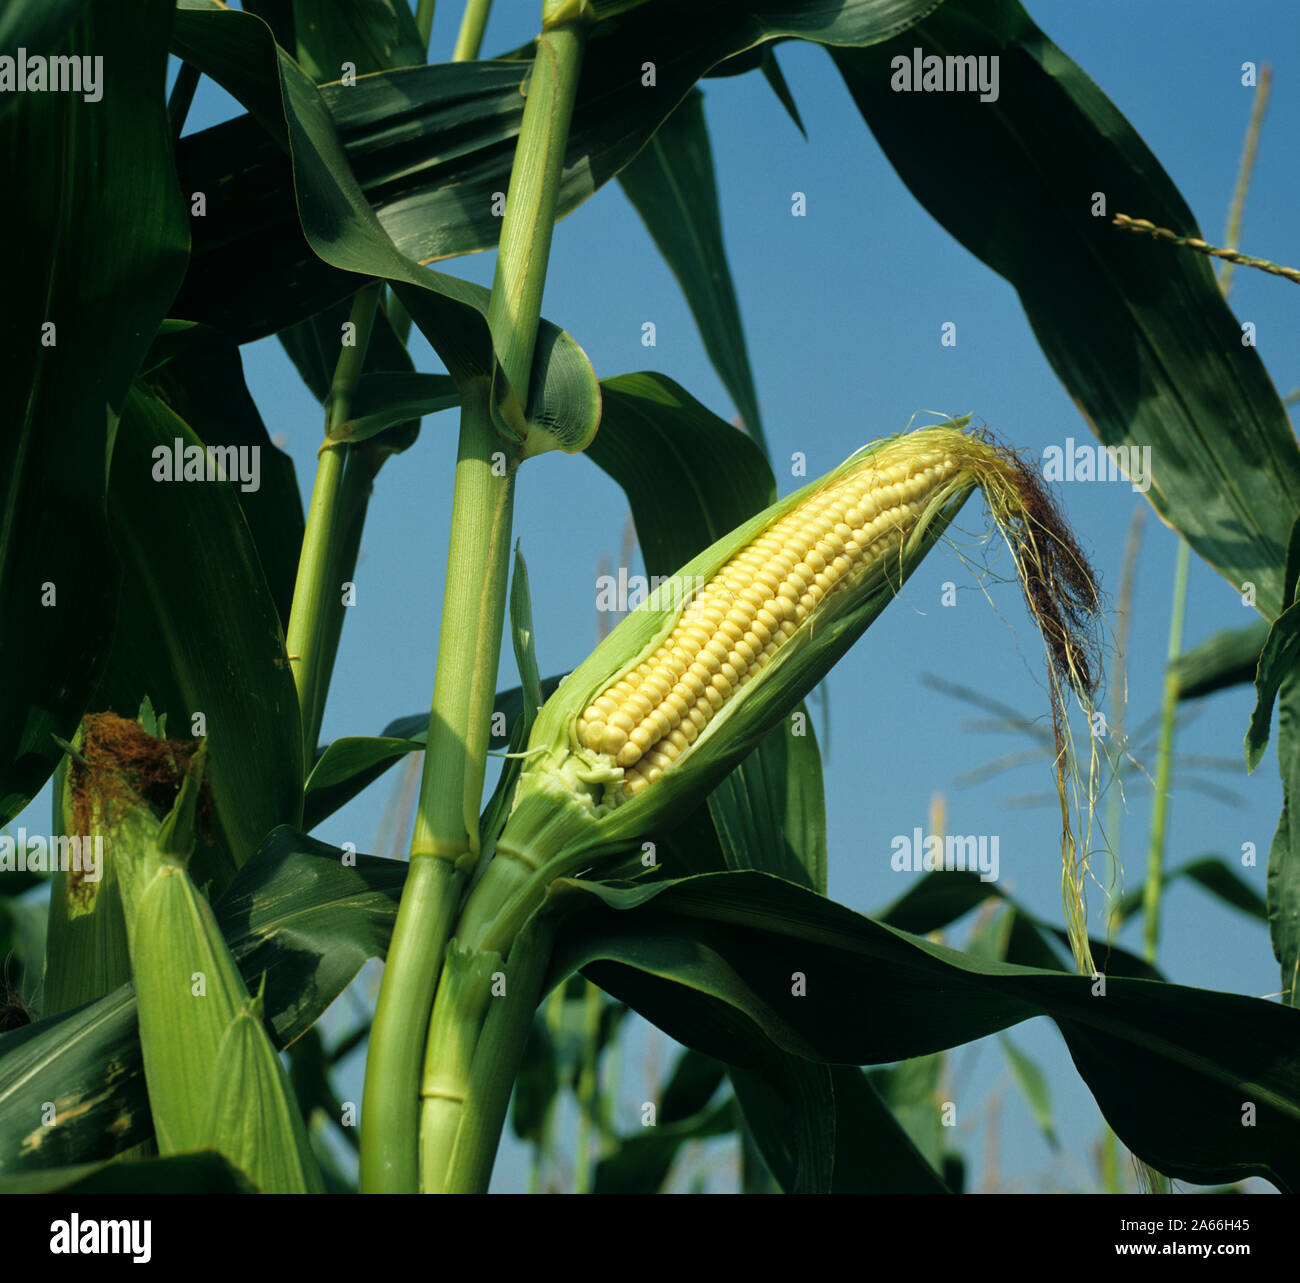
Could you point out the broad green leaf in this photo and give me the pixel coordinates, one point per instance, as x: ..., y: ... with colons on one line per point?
x: 1033, y: 1085
x: 339, y: 225
x: 350, y: 763
x: 1140, y: 335
x: 873, y: 1153
x: 1212, y: 874
x: 188, y: 555
x: 671, y: 184
x: 370, y: 34
x: 298, y: 913
x: 709, y: 960
x: 770, y: 813
x: 1228, y: 658
x: 198, y: 374
x: 911, y: 1091
x: 1277, y: 661
x: 385, y: 399
x: 314, y: 346
x: 537, y: 1084
x: 943, y: 896
x: 361, y: 36
x: 642, y: 1162
x: 1282, y: 888
x: 689, y: 476
x: 37, y: 27
x: 92, y: 268
x: 775, y: 78
x: 824, y: 1129
x: 205, y: 1172
x: 788, y: 1106
x: 344, y: 763
x: 431, y: 145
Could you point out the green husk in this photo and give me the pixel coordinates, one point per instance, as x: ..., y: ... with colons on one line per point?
x: 566, y: 817
x: 270, y: 1142
x: 213, y: 1075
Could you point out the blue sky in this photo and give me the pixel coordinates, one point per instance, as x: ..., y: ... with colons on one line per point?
x: 842, y: 311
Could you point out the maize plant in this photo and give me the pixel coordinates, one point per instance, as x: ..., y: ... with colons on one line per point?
x: 644, y: 830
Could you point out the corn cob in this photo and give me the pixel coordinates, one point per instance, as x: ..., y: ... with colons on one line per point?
x: 753, y: 606
x: 248, y: 1071
x: 690, y: 682
x: 213, y: 1076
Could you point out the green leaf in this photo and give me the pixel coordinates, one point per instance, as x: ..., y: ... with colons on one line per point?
x: 1212, y: 874
x: 824, y: 1129
x: 642, y: 1162
x: 789, y: 1108
x: 1138, y: 333
x: 537, y: 1084
x: 943, y: 896
x: 367, y: 36
x: 430, y: 145
x: 689, y: 476
x: 205, y: 1172
x: 522, y: 637
x: 1228, y: 658
x: 776, y: 80
x: 911, y: 1090
x: 38, y: 28
x: 352, y: 762
x: 188, y: 554
x: 672, y: 186
x: 304, y: 915
x: 98, y: 261
x: 1282, y: 888
x: 371, y: 34
x: 710, y: 959
x: 1277, y: 661
x: 873, y: 1153
x: 563, y: 408
x: 387, y: 398
x: 198, y: 374
x: 1029, y: 1078
x: 770, y: 813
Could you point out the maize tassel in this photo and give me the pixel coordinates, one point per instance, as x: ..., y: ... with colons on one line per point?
x: 690, y: 682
